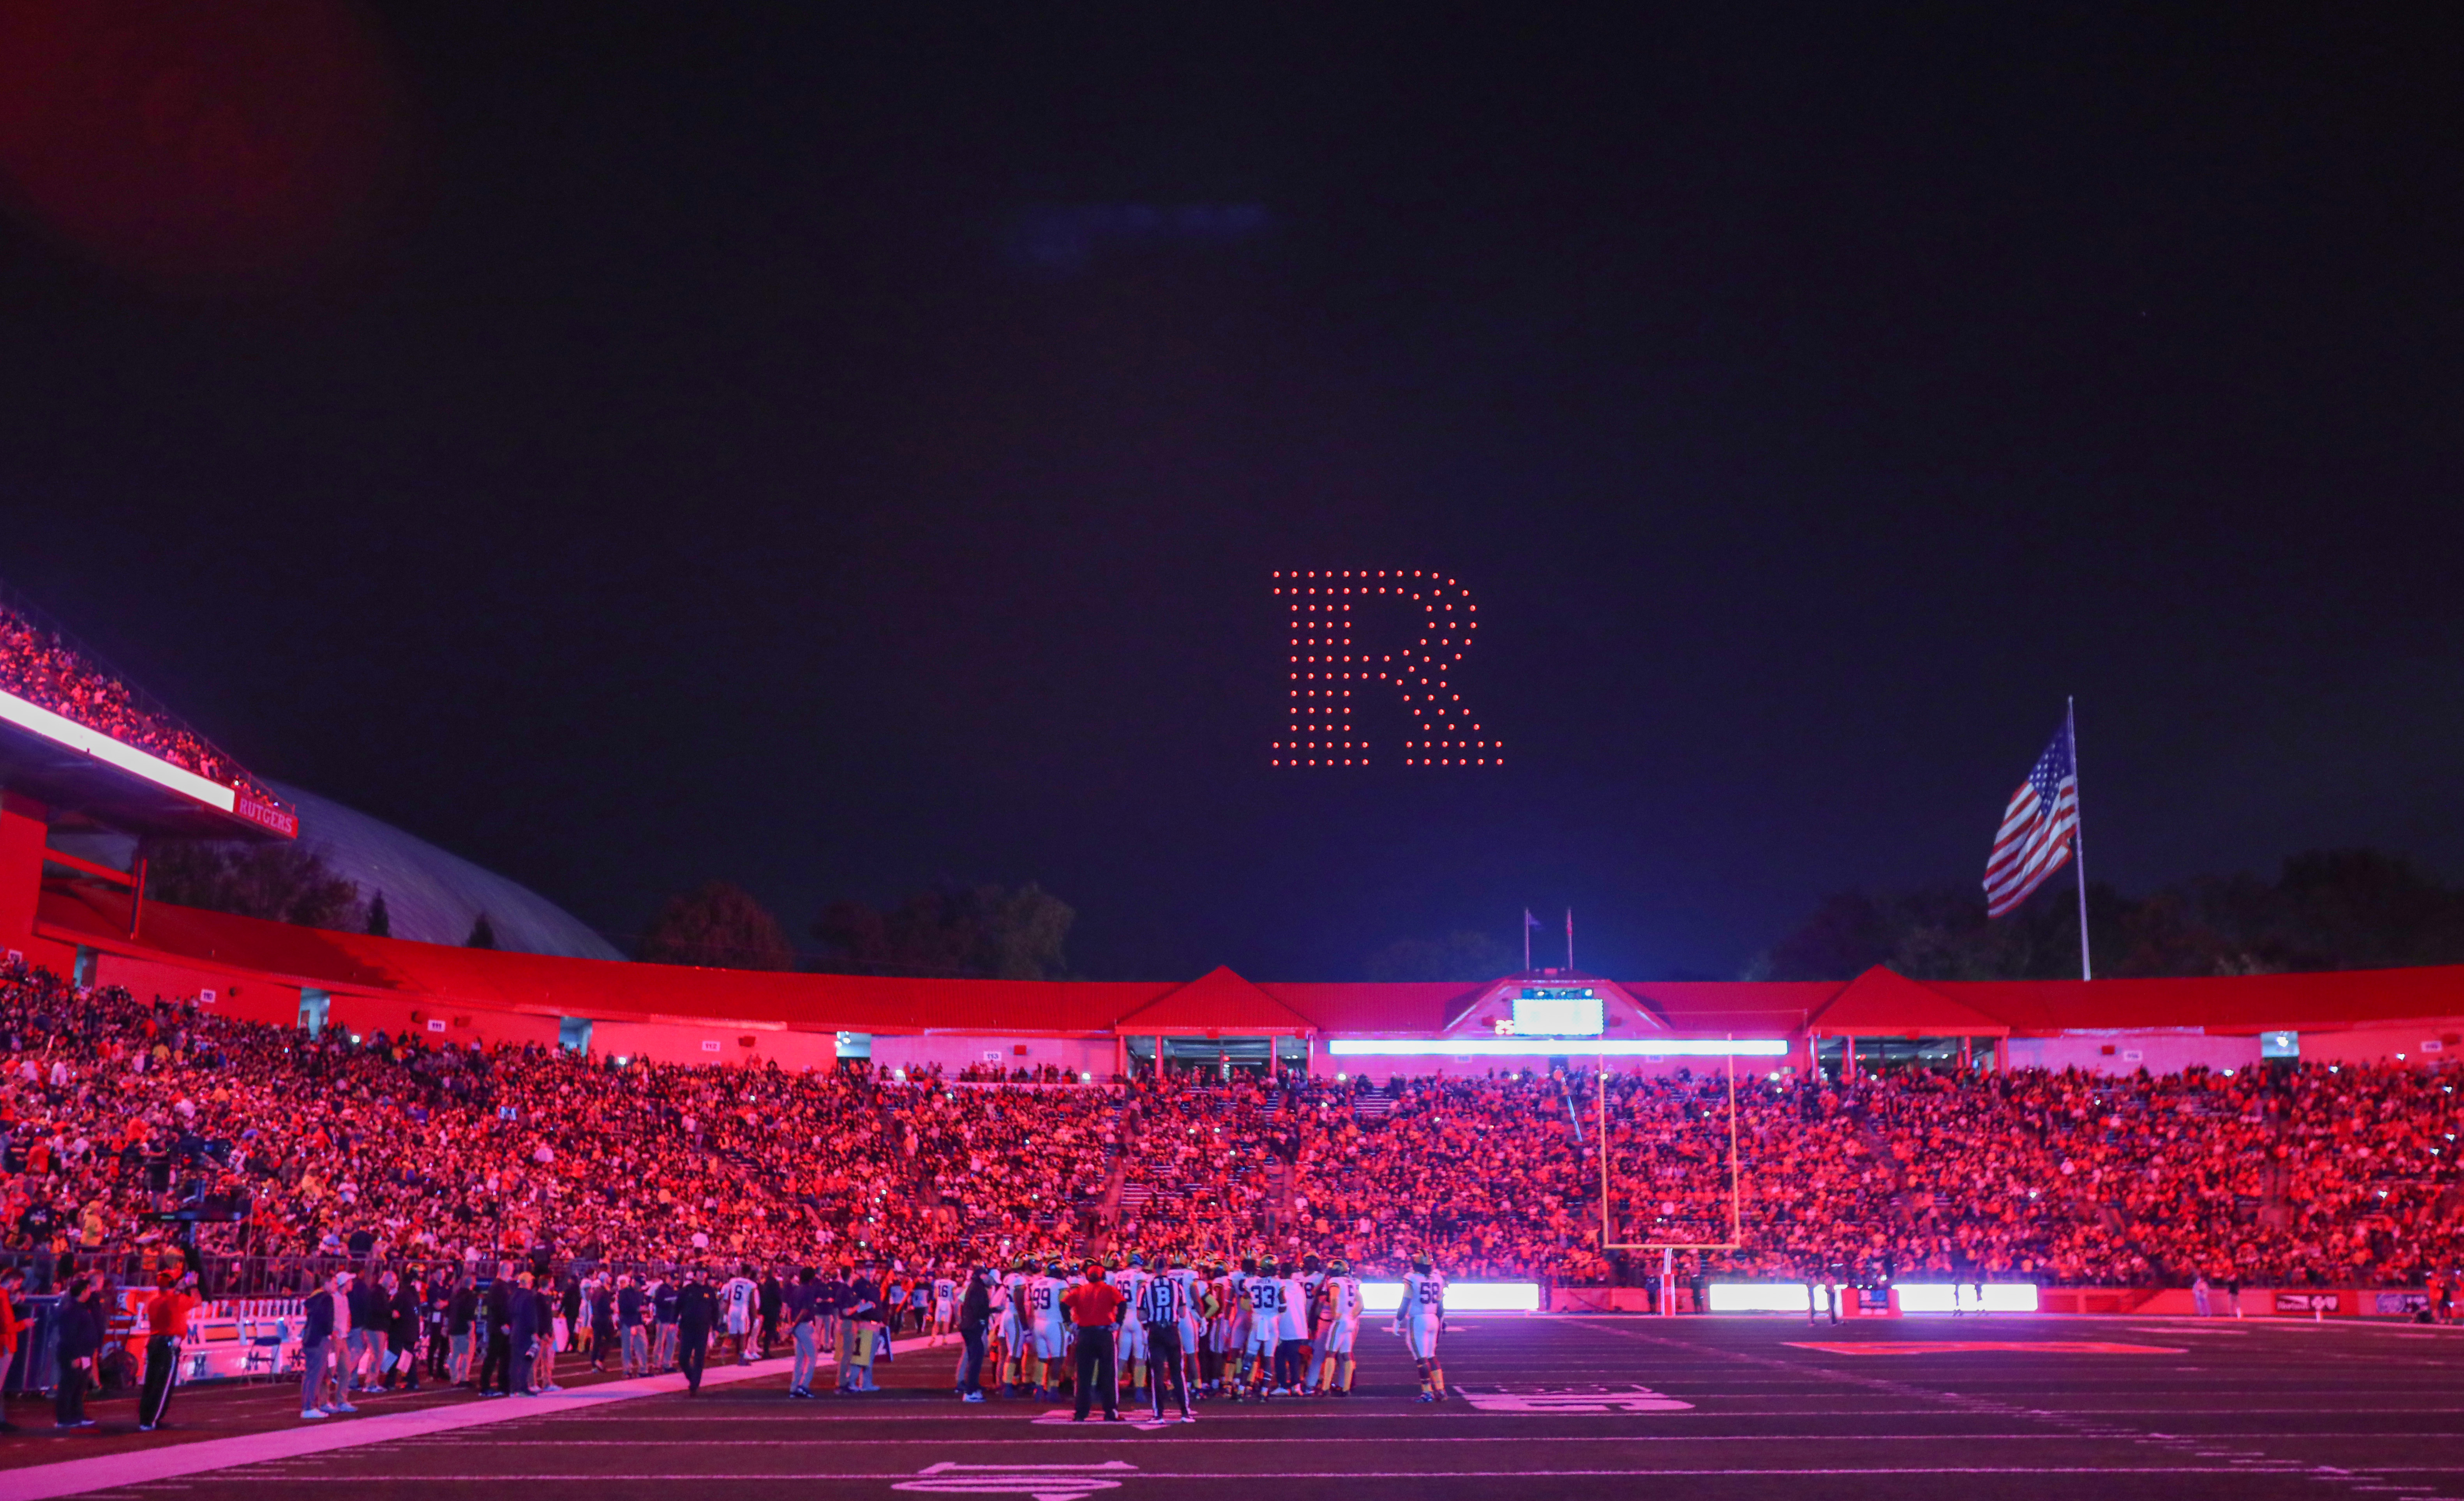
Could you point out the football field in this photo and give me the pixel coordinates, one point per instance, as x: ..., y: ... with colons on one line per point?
x: 1714, y: 1408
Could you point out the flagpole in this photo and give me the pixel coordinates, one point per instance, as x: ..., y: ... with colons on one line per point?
x: 1569, y: 940
x: 1527, y: 940
x: 2079, y: 830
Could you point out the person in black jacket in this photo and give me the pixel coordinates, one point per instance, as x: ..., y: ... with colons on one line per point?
x: 436, y: 1307
x: 318, y: 1345
x: 544, y: 1354
x: 696, y: 1310
x: 774, y: 1309
x: 401, y: 1332
x: 371, y: 1311
x: 497, y: 1333
x: 80, y: 1342
x: 604, y: 1335
x: 632, y: 1324
x: 974, y: 1313
x: 524, y: 1329
x: 462, y: 1316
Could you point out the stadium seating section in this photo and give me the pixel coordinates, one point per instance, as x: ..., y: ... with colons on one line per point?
x: 389, y: 1147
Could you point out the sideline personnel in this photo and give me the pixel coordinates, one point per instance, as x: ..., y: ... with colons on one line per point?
x: 167, y: 1324
x: 1162, y: 1304
x: 1096, y: 1305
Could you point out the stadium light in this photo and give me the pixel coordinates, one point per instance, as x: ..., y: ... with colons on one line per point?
x: 103, y: 749
x: 1563, y: 1047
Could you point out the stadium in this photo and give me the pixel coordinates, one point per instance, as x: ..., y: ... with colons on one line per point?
x: 239, y: 1120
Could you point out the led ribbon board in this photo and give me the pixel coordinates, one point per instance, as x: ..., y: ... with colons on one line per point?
x: 67, y: 732
x: 1327, y: 666
x: 1461, y: 1297
x: 1556, y: 1048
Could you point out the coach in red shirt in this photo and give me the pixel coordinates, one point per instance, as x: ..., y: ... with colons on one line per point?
x: 1096, y: 1305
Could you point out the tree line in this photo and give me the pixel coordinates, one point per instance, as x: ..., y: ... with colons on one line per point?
x: 2321, y: 910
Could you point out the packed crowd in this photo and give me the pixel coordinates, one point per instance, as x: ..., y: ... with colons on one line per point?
x: 45, y: 670
x: 306, y: 1147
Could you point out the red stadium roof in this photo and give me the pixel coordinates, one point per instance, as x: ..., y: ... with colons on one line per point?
x: 1877, y: 1003
x: 1880, y: 1001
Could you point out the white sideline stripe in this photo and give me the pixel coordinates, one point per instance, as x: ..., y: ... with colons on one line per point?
x: 709, y: 1476
x: 142, y: 1467
x: 1181, y: 1440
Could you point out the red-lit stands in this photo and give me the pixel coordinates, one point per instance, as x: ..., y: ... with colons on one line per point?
x: 2334, y: 1176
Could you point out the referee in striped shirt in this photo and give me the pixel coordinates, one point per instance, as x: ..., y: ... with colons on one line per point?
x: 1162, y: 1304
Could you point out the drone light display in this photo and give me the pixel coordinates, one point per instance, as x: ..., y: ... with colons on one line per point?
x: 1329, y: 667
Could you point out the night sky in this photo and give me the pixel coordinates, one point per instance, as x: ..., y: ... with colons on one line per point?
x: 633, y: 447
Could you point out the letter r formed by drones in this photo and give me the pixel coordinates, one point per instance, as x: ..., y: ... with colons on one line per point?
x: 1434, y: 618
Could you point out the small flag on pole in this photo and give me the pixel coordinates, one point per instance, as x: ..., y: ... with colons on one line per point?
x: 2038, y: 828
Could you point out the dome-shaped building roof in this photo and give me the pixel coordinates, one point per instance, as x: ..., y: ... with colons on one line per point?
x: 433, y: 896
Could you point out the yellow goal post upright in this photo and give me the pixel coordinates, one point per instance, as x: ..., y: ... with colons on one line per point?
x: 1736, y: 1183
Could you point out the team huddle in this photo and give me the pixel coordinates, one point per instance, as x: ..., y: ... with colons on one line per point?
x: 1252, y: 1334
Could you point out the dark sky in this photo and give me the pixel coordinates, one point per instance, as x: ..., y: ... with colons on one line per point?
x: 696, y: 449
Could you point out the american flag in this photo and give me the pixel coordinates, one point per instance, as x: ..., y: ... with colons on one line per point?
x: 2038, y: 828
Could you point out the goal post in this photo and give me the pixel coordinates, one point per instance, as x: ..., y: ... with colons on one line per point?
x: 1608, y: 1186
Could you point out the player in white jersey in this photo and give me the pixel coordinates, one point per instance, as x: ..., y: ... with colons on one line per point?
x: 1049, y: 1332
x: 945, y: 1305
x: 1132, y: 1351
x: 1292, y: 1336
x: 1338, y: 1327
x: 1223, y: 1322
x: 1421, y: 1318
x: 1313, y: 1273
x: 738, y: 1297
x: 1191, y: 1317
x: 1263, y: 1291
x: 1010, y: 1328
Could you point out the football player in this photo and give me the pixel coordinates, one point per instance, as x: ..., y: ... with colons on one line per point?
x: 737, y: 1299
x: 945, y: 1305
x: 1133, y: 1349
x: 1264, y: 1291
x: 1193, y: 1319
x: 1421, y: 1318
x: 1013, y: 1326
x: 1050, y: 1332
x: 1338, y: 1325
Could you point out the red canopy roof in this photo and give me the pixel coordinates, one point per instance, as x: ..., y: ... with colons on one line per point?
x: 1877, y: 1002
x: 1881, y: 1002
